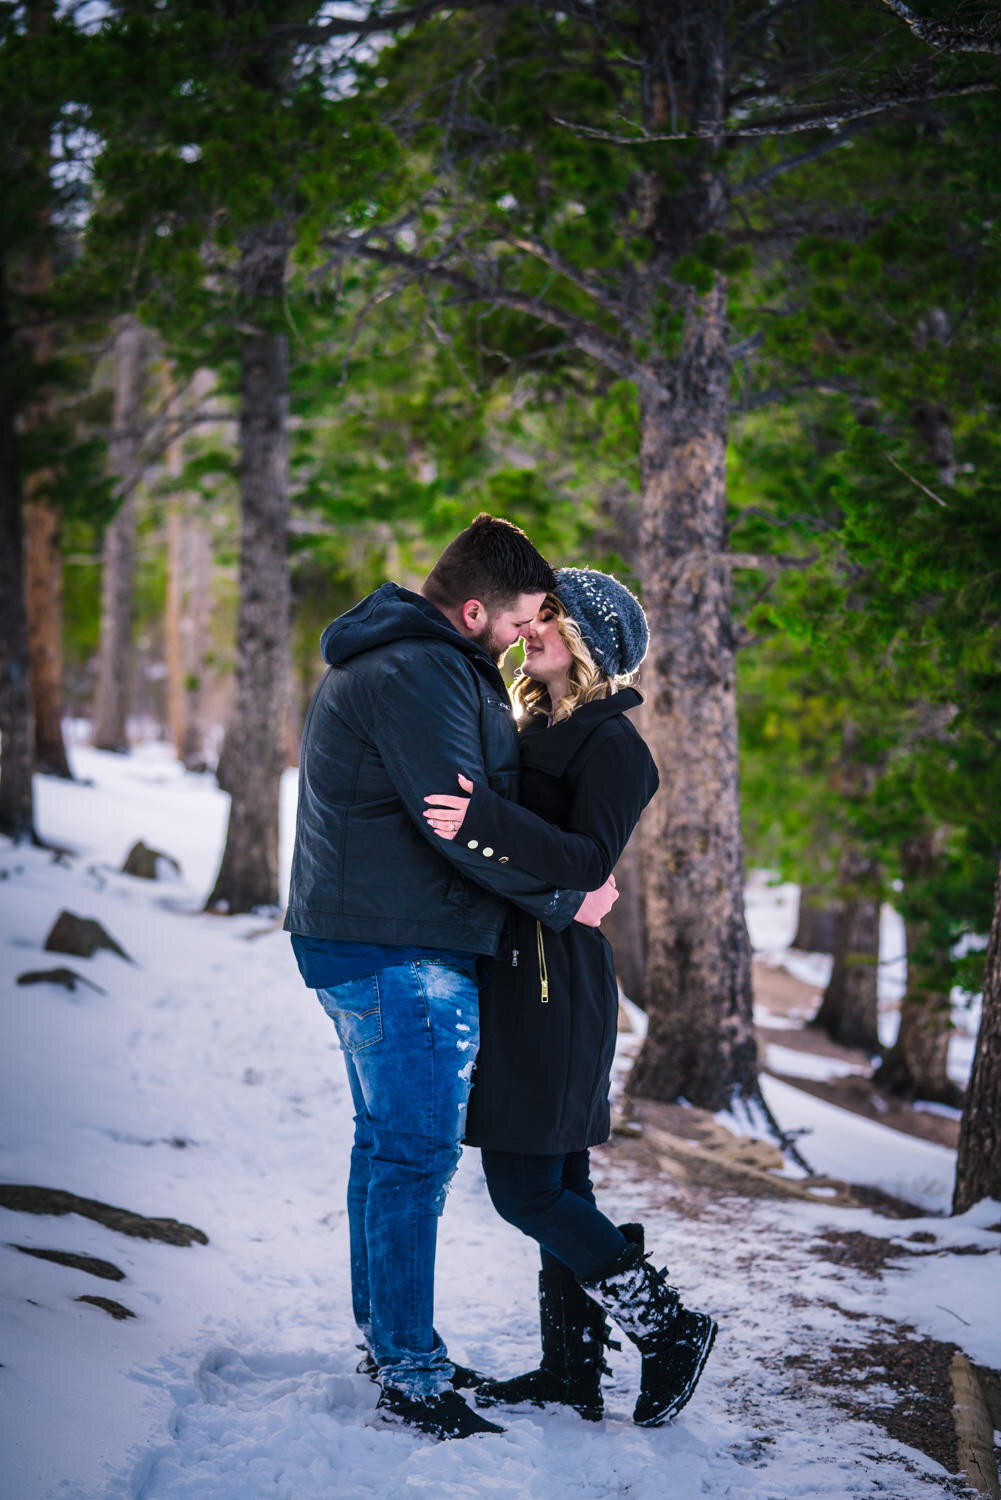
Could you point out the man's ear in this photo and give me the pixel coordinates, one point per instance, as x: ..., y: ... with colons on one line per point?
x: 473, y: 615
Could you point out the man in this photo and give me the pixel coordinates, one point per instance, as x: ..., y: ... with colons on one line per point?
x: 387, y: 920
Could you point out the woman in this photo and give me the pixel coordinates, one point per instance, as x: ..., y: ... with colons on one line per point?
x: 548, y: 1013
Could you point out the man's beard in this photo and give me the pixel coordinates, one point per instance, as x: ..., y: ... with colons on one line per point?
x: 496, y: 649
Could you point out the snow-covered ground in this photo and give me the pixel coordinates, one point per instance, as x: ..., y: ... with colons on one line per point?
x: 203, y: 1083
x: 772, y: 910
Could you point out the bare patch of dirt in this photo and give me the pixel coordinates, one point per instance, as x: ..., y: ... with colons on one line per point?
x: 89, y: 1263
x: 24, y: 1199
x: 117, y: 1310
x: 913, y: 1371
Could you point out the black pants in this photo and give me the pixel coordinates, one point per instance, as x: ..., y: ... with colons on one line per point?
x: 550, y: 1198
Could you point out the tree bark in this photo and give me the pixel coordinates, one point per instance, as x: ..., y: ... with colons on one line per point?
x: 816, y: 922
x: 116, y: 656
x: 188, y: 615
x: 44, y: 605
x: 188, y: 607
x: 43, y: 551
x: 916, y: 1066
x: 195, y: 622
x: 848, y: 1011
x: 978, y: 1164
x: 17, y: 817
x: 700, y: 1044
x: 174, y: 606
x: 624, y: 926
x: 255, y: 737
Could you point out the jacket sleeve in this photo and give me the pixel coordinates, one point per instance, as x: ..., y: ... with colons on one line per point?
x: 426, y: 728
x: 615, y: 783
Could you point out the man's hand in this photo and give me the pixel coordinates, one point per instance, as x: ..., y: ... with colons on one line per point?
x: 598, y: 904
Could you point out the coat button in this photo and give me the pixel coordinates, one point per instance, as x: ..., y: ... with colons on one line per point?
x: 503, y: 859
x: 473, y: 844
x: 487, y: 853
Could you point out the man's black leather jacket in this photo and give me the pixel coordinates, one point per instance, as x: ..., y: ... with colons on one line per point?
x: 407, y: 704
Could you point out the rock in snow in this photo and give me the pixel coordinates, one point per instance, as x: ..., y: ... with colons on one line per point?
x: 81, y: 936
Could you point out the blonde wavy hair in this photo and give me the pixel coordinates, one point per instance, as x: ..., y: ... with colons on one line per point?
x: 585, y: 679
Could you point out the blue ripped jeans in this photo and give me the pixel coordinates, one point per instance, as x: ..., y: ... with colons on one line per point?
x: 409, y: 1036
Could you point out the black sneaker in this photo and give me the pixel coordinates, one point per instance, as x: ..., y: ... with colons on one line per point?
x: 463, y: 1378
x: 444, y: 1416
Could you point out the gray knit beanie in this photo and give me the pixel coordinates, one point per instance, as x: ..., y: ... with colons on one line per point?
x: 611, y: 620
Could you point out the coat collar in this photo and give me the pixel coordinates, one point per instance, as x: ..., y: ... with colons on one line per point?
x: 552, y: 749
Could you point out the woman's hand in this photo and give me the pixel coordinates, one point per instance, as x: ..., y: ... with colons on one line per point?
x: 444, y: 813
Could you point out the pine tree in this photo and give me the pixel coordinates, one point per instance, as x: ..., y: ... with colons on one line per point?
x: 221, y: 146
x: 978, y: 1165
x: 578, y: 235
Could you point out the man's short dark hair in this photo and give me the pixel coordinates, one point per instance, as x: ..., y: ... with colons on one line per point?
x: 492, y: 560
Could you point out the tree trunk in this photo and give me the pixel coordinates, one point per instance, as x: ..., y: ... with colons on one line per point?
x: 43, y: 552
x: 188, y: 603
x: 188, y: 613
x: 116, y: 657
x: 255, y: 738
x: 816, y: 922
x: 624, y: 925
x: 44, y: 606
x: 17, y: 817
x: 848, y: 1012
x: 700, y: 1043
x: 916, y: 1066
x: 195, y: 621
x: 978, y: 1164
x: 172, y: 630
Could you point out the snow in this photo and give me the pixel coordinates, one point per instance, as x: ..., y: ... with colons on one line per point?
x: 807, y: 1064
x: 840, y: 1144
x: 205, y: 1085
x: 772, y: 908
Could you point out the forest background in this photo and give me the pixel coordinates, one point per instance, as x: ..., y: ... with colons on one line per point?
x: 704, y: 294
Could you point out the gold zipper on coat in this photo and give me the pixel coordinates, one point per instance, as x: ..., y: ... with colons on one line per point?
x: 543, y: 971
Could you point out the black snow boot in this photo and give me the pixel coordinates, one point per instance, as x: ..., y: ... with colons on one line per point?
x: 444, y: 1416
x: 574, y: 1335
x: 673, y: 1341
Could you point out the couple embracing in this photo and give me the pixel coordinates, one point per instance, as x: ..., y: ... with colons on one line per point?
x: 453, y: 861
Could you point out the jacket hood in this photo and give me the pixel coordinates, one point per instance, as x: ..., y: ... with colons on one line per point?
x: 393, y: 614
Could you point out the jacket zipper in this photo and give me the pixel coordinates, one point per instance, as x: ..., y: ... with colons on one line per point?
x: 543, y: 970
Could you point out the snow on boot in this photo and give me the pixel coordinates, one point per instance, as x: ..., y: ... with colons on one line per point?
x: 444, y: 1416
x: 463, y: 1378
x: 574, y: 1334
x: 673, y: 1341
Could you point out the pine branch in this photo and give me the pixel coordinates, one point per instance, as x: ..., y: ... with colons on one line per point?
x: 825, y: 384
x: 831, y: 115
x: 388, y: 22
x: 930, y: 493
x: 613, y: 353
x: 585, y: 281
x: 838, y: 139
x: 942, y: 36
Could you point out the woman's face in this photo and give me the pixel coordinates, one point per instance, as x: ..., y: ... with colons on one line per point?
x: 547, y: 658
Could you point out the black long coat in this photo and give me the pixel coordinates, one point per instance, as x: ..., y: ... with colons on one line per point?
x: 548, y: 1015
